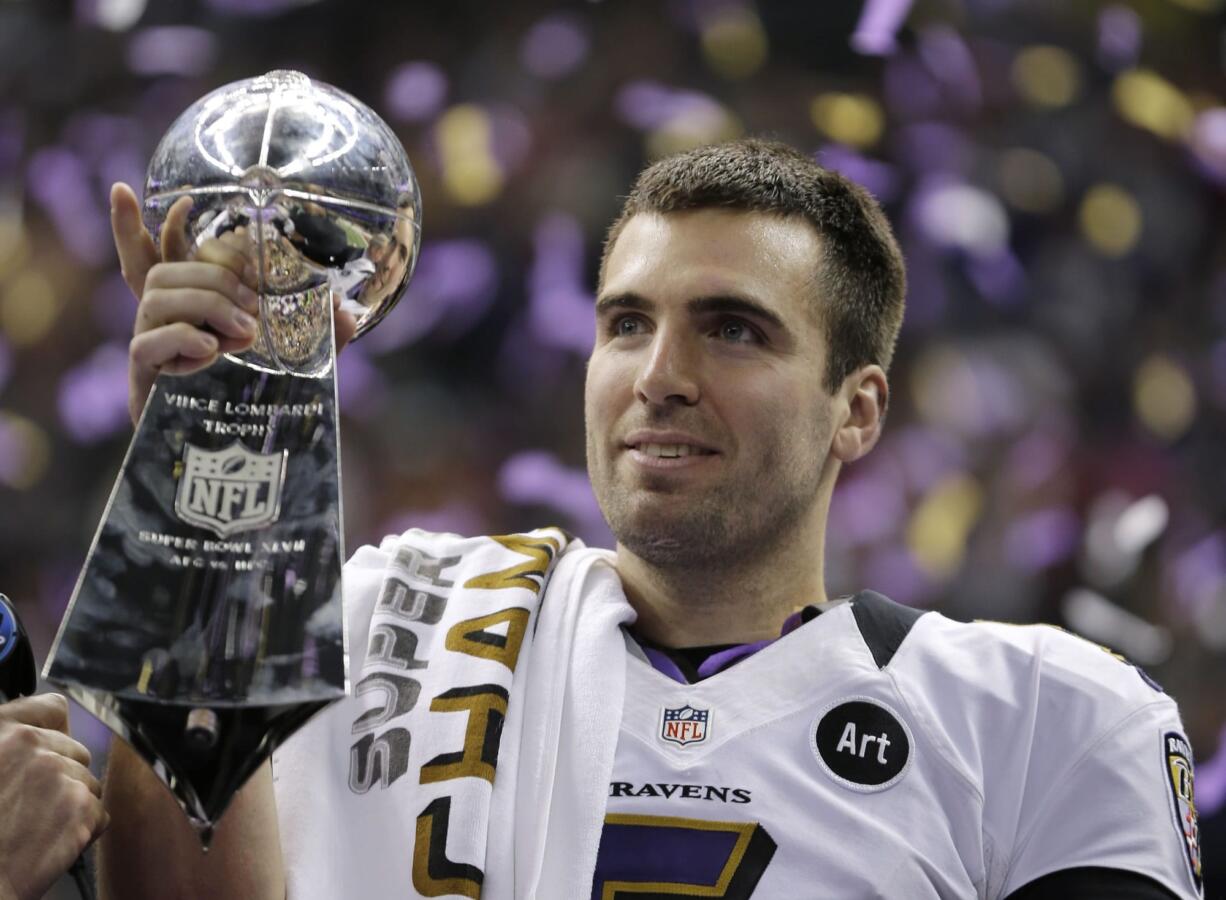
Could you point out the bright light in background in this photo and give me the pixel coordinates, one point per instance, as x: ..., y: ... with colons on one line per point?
x: 734, y: 42
x: 853, y: 119
x: 1030, y: 181
x: 1046, y: 76
x: 1208, y: 141
x: 876, y: 32
x: 28, y: 308
x: 415, y: 91
x: 1094, y: 616
x: 939, y: 528
x: 25, y: 452
x: 1118, y: 531
x: 960, y: 215
x: 1110, y: 219
x: 675, y: 119
x: 113, y: 15
x: 1147, y: 100
x: 471, y: 174
x: 1164, y: 397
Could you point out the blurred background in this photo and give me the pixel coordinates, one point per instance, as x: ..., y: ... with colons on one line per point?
x: 1056, y: 174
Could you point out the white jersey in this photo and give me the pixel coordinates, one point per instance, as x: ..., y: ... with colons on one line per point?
x: 875, y: 752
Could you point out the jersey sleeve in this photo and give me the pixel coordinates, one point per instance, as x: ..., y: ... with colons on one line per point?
x: 1121, y: 801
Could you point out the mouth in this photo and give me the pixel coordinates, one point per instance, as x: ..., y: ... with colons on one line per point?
x: 667, y: 450
x: 671, y: 451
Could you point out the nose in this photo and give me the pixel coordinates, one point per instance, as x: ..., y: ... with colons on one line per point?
x: 668, y: 373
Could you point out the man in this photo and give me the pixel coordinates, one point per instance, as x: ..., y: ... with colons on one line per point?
x: 747, y: 311
x: 51, y: 802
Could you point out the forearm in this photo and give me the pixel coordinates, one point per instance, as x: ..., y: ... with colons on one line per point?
x: 151, y: 851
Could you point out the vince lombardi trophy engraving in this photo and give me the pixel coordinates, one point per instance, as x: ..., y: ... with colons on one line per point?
x: 206, y: 625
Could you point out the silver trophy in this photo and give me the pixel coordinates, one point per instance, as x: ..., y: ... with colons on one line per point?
x: 206, y: 625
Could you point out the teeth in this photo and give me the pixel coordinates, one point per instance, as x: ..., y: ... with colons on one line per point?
x: 668, y: 451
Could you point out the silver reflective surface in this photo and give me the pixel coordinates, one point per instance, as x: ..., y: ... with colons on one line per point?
x: 308, y: 184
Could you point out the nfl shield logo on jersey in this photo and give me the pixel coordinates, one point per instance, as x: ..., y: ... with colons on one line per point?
x: 230, y: 490
x: 685, y: 725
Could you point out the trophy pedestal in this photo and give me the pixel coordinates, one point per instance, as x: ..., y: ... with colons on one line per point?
x: 207, y: 623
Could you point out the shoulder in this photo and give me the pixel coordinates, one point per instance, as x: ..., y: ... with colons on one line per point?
x: 1011, y: 662
x: 995, y: 696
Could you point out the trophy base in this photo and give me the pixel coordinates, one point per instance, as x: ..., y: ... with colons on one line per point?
x: 203, y: 754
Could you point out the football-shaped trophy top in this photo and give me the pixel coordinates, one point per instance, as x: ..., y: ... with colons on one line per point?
x: 313, y: 187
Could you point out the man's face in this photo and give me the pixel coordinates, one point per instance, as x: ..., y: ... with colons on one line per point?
x: 708, y: 429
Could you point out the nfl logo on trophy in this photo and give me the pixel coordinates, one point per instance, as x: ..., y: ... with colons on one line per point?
x: 230, y: 490
x: 684, y: 725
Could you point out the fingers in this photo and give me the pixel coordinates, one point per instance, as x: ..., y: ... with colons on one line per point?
x: 221, y: 308
x: 42, y: 711
x: 175, y: 245
x: 134, y: 244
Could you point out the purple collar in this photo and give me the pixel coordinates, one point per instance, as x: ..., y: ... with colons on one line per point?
x: 662, y: 660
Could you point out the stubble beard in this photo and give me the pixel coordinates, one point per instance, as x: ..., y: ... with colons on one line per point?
x: 721, y: 529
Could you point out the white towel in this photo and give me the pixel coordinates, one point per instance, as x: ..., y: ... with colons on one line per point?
x: 353, y: 783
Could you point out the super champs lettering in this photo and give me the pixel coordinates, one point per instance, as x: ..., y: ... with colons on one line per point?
x: 416, y: 599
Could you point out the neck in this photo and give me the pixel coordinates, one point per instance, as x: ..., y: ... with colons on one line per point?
x: 735, y: 604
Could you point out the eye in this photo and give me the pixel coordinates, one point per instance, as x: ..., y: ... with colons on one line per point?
x: 625, y: 326
x: 737, y: 331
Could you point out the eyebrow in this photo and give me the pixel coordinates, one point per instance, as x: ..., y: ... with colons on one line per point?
x: 719, y: 303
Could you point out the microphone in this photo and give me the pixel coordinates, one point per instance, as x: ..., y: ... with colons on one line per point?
x: 19, y: 678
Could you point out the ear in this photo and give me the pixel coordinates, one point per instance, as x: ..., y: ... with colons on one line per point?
x: 865, y: 394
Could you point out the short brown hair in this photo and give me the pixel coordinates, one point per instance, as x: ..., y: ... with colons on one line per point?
x: 861, y: 271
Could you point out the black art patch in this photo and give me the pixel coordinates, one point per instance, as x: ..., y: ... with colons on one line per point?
x: 862, y: 744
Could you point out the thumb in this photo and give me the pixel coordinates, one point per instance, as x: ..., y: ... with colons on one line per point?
x: 137, y: 252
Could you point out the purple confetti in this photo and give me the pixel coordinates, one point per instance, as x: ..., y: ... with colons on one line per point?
x: 59, y: 181
x: 876, y: 32
x: 555, y: 46
x: 93, y: 396
x: 538, y: 478
x: 359, y: 385
x: 172, y: 50
x: 893, y: 571
x: 910, y: 90
x: 562, y: 310
x: 1119, y: 37
x: 1042, y: 539
x: 926, y: 456
x: 948, y: 58
x: 415, y: 91
x: 999, y: 276
x: 1198, y: 572
x: 866, y: 509
x: 1208, y: 143
x: 454, y: 284
x: 648, y: 105
x: 878, y: 177
x: 1034, y: 459
x: 258, y: 8
x: 510, y: 136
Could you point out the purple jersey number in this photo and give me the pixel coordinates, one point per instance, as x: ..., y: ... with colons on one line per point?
x: 658, y: 857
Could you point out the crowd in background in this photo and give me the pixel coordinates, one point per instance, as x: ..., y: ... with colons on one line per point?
x: 1056, y: 175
